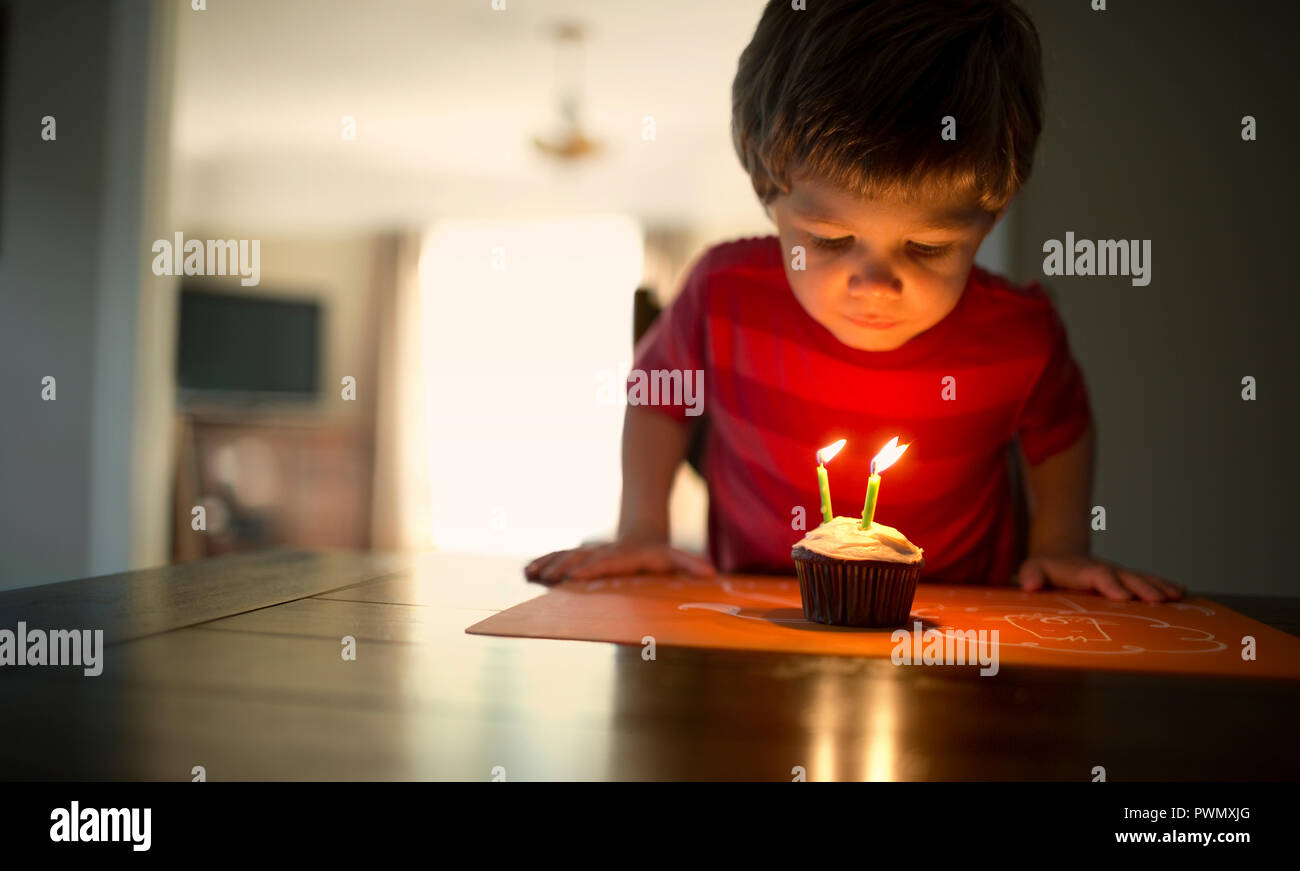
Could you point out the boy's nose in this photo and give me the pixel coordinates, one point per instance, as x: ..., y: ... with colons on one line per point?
x: 874, y: 279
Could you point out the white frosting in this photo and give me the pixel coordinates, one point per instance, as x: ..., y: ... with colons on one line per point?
x: 843, y: 538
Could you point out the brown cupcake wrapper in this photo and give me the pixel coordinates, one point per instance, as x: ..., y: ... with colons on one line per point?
x: 868, y: 593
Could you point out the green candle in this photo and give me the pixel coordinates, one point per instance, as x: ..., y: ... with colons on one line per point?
x: 882, y: 461
x: 869, y: 510
x: 825, y: 486
x: 823, y: 482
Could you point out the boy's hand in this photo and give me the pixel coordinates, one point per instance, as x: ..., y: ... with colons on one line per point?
x: 614, y: 558
x: 1088, y: 573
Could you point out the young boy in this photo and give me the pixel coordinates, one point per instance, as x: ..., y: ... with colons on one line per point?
x: 885, y: 139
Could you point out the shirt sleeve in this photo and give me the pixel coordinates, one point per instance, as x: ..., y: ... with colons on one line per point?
x: 1057, y: 410
x: 675, y: 345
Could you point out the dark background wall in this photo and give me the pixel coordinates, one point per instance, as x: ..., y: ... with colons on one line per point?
x: 73, y: 243
x: 50, y: 222
x: 1143, y: 141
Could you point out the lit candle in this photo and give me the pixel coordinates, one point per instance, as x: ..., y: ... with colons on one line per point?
x: 823, y: 483
x: 888, y: 455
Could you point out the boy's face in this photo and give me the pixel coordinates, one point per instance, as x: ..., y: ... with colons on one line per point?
x: 877, y: 272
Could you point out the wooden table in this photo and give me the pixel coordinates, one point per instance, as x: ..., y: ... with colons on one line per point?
x: 234, y: 664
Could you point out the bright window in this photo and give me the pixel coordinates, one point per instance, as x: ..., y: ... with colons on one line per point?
x: 527, y: 332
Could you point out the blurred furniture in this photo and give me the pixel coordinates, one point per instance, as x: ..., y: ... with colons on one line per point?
x: 236, y: 659
x: 273, y: 480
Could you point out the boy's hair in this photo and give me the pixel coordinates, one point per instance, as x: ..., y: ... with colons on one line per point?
x: 853, y: 92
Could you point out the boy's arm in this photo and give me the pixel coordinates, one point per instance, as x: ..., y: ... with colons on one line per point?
x: 1060, y: 489
x: 1060, y: 544
x: 654, y: 444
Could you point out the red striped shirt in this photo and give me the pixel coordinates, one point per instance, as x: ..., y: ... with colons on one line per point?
x: 777, y: 386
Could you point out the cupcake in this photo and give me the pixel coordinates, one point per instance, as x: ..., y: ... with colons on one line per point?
x: 850, y: 576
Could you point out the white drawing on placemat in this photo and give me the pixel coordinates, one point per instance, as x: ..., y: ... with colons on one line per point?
x: 734, y: 611
x: 1068, y: 628
x: 746, y: 589
x: 1060, y: 627
x: 1076, y: 629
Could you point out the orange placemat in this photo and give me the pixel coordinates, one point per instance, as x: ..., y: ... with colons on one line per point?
x: 1196, y: 636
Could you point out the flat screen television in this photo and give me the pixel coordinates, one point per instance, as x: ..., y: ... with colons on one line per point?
x: 238, y: 348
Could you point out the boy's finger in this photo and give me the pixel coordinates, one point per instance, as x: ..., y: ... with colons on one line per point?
x: 1103, y: 580
x: 621, y: 564
x: 534, y: 569
x: 599, y: 566
x: 692, y: 564
x: 1032, y: 577
x: 1170, y: 589
x: 560, y: 567
x: 1145, y: 590
x: 546, y: 558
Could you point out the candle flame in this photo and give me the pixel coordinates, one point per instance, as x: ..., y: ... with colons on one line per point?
x: 888, y: 455
x: 825, y: 454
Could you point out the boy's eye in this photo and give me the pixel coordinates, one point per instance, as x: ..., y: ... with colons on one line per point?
x: 833, y: 244
x: 928, y: 250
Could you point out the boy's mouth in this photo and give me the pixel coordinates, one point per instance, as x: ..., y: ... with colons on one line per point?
x: 873, y: 322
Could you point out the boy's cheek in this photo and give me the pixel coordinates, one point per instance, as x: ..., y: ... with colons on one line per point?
x: 812, y: 295
x: 955, y: 273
